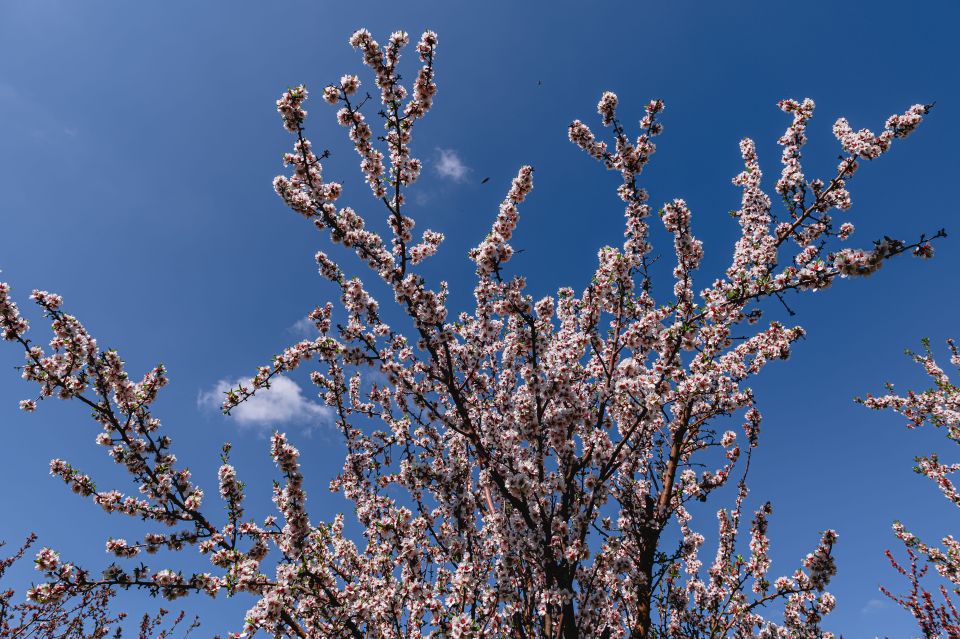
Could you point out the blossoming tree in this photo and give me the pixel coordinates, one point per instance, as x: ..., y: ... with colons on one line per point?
x: 527, y: 466
x: 939, y: 406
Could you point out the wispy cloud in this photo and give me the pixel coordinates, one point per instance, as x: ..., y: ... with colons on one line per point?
x: 450, y: 166
x: 10, y: 94
x: 873, y: 606
x: 282, y: 403
x: 47, y: 125
x: 304, y: 326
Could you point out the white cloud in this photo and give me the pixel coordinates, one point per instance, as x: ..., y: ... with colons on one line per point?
x: 873, y: 606
x: 9, y: 93
x: 449, y: 165
x: 422, y: 198
x: 284, y: 402
x: 304, y: 326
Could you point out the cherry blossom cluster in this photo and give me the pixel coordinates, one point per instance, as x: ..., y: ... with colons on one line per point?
x: 495, y: 249
x: 11, y: 322
x: 290, y: 106
x: 88, y: 614
x: 939, y: 407
x: 290, y: 499
x: 520, y: 468
x: 722, y: 602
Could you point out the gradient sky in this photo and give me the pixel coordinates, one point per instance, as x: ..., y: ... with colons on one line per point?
x: 138, y: 142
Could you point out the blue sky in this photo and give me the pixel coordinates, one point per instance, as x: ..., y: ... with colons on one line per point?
x: 138, y: 142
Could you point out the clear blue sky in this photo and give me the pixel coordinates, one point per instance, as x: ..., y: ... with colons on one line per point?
x: 138, y: 142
